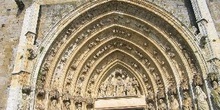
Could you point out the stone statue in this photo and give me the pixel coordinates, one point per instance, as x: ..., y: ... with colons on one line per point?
x: 129, y: 88
x: 78, y: 91
x: 136, y: 86
x: 66, y: 100
x: 172, y: 89
x: 39, y: 106
x: 102, y: 90
x: 120, y: 87
x: 79, y: 106
x: 174, y: 105
x: 197, y: 80
x: 54, y: 95
x: 150, y: 106
x: 187, y: 103
x: 201, y: 99
x: 160, y: 93
x: 184, y: 85
x: 110, y: 88
x: 53, y: 105
x: 216, y: 94
x: 162, y: 105
x: 150, y: 95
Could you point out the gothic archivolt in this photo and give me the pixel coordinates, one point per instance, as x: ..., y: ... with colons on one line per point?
x: 119, y: 49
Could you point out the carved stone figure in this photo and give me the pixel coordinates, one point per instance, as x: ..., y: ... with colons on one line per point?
x: 174, y: 105
x: 162, y: 105
x: 40, y: 92
x: 130, y: 90
x: 213, y: 76
x: 54, y: 95
x: 150, y: 95
x: 160, y: 93
x: 78, y: 91
x: 150, y: 106
x: 184, y: 85
x: 201, y: 99
x: 187, y: 103
x: 197, y: 80
x: 102, y: 90
x: 110, y: 88
x: 79, y: 106
x: 53, y: 105
x: 136, y: 86
x: 39, y: 106
x: 66, y: 100
x: 119, y: 84
x: 172, y: 89
x: 120, y: 87
x: 145, y: 78
x: 216, y: 94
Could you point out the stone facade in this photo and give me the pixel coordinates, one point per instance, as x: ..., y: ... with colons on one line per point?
x: 43, y: 21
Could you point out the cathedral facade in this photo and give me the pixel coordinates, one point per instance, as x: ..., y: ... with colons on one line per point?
x: 116, y: 55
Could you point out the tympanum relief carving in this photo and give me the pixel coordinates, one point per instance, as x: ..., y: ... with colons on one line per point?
x: 119, y: 84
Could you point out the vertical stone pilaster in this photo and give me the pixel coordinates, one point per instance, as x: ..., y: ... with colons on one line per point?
x: 23, y: 63
x: 14, y: 97
x: 208, y: 34
x: 27, y: 37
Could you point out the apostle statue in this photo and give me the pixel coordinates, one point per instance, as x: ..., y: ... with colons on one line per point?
x: 202, y: 103
x: 216, y: 94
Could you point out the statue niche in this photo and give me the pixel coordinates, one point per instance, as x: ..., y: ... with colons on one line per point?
x: 119, y: 84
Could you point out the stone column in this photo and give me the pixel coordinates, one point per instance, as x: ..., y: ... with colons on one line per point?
x: 23, y: 63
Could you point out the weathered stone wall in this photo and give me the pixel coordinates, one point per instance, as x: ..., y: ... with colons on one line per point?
x: 214, y: 6
x: 181, y: 9
x: 50, y: 14
x: 10, y: 29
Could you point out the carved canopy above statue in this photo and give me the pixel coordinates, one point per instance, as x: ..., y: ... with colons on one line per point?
x: 117, y: 49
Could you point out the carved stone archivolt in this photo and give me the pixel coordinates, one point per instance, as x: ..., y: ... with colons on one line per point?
x: 111, y: 51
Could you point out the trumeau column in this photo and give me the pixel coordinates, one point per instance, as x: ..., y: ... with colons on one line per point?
x: 20, y: 89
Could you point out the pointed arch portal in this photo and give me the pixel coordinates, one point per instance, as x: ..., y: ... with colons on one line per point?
x: 116, y: 54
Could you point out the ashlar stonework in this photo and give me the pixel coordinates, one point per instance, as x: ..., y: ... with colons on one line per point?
x: 116, y: 54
